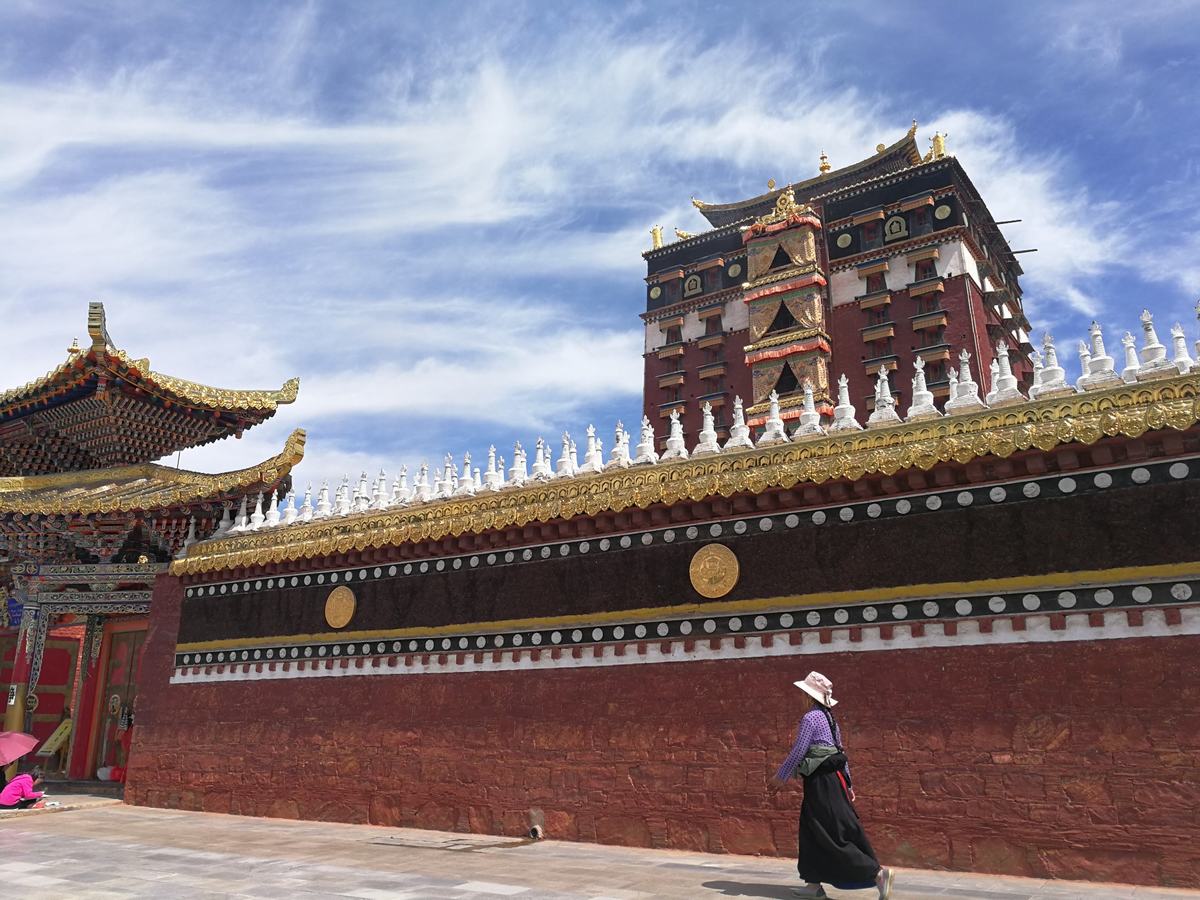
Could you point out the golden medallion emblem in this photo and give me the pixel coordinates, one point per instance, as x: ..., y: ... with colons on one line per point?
x: 339, y: 607
x: 714, y: 571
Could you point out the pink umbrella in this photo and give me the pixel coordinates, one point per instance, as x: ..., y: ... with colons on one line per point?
x: 14, y: 745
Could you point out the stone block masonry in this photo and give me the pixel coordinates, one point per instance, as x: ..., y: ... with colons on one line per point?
x: 1073, y: 760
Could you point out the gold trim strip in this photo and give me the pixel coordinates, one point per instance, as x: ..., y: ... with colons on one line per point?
x: 151, y: 486
x: 1010, y: 584
x: 1129, y: 410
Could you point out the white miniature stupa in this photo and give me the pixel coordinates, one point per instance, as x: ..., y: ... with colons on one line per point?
x: 739, y: 432
x: 1005, y: 390
x: 645, y: 453
x: 708, y: 433
x: 810, y: 419
x: 843, y: 413
x: 619, y: 458
x: 1050, y: 380
x: 676, y: 448
x: 966, y: 390
x: 774, y: 431
x: 1154, y: 355
x: 922, y: 406
x: 1182, y: 361
x: 885, y: 404
x: 1100, y: 371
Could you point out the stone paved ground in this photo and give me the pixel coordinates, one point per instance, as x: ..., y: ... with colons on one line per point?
x: 123, y: 851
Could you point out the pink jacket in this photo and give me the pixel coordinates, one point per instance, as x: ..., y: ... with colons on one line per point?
x: 20, y: 788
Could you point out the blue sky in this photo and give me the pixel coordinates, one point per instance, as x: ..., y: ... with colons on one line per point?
x: 434, y: 213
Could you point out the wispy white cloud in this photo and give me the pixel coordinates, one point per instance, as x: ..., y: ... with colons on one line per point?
x: 462, y: 245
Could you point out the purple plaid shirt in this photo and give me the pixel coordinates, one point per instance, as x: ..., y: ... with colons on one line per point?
x: 814, y: 729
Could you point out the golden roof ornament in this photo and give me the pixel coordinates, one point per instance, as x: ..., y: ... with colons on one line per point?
x: 683, y: 235
x: 937, y: 147
x: 785, y: 208
x: 74, y: 348
x: 825, y: 166
x: 699, y: 204
x: 770, y: 184
x: 912, y: 131
x: 656, y: 240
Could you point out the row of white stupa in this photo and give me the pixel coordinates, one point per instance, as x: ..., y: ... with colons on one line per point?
x: 1098, y: 372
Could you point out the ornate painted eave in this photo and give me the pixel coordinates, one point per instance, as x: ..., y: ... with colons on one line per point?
x: 104, y: 356
x: 723, y: 214
x: 1129, y: 410
x: 104, y: 408
x: 142, y: 487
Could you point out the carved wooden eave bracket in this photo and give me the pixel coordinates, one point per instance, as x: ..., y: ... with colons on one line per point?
x: 141, y: 487
x: 1129, y: 410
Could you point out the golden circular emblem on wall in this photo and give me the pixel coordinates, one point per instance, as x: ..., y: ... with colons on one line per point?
x: 734, y: 271
x: 714, y: 571
x: 339, y: 607
x: 844, y: 240
x: 942, y: 212
x: 655, y: 292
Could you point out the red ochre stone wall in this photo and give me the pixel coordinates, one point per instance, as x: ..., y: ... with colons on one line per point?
x: 1072, y: 760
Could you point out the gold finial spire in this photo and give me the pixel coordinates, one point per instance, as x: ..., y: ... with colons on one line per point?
x: 825, y: 166
x: 656, y: 237
x: 938, y: 142
x: 770, y: 184
x: 912, y: 131
x: 74, y: 348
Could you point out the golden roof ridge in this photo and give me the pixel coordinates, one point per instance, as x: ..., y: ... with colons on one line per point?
x: 1129, y: 410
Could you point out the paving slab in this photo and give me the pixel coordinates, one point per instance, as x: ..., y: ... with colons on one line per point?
x: 112, y: 850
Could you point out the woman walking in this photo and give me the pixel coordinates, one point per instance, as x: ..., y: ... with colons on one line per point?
x: 833, y: 846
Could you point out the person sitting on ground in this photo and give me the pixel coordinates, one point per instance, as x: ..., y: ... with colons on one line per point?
x: 21, y: 792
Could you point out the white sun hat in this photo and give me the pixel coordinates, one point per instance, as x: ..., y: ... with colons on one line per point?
x: 818, y: 687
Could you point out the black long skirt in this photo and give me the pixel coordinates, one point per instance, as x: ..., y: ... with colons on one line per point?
x: 833, y: 846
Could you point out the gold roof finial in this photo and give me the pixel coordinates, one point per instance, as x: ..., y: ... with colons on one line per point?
x: 938, y: 144
x: 879, y: 148
x: 699, y: 204
x: 683, y: 235
x: 656, y: 237
x: 825, y: 166
x: 912, y: 131
x: 770, y: 184
x: 74, y: 348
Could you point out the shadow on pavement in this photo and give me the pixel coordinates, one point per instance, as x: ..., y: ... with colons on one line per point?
x: 745, y: 889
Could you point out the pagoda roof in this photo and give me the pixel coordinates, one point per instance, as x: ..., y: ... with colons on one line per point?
x: 103, y: 408
x: 144, y: 487
x: 900, y: 155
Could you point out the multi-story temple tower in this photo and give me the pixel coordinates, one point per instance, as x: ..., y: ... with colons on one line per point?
x: 860, y: 267
x: 88, y: 521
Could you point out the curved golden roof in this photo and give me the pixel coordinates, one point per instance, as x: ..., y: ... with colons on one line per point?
x: 721, y: 214
x: 104, y: 355
x: 148, y: 486
x: 104, y: 408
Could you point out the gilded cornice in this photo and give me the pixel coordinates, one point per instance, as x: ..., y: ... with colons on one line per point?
x: 140, y: 487
x: 1129, y: 410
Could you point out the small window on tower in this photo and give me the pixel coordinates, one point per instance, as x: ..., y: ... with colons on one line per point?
x: 674, y: 334
x: 925, y: 268
x: 921, y: 221
x: 875, y: 283
x: 712, y: 325
x: 872, y: 235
